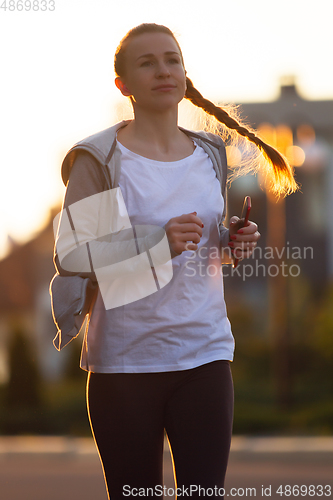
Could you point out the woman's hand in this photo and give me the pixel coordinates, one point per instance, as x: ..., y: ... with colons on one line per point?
x: 243, y: 240
x: 184, y: 232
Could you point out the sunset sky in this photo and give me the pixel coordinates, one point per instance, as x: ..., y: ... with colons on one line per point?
x: 57, y: 79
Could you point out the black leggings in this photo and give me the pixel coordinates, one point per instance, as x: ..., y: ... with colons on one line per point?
x: 128, y: 413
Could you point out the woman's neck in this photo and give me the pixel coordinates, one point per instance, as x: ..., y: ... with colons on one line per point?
x: 159, y: 129
x: 156, y: 135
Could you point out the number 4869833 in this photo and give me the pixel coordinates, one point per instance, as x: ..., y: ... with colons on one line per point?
x: 26, y: 5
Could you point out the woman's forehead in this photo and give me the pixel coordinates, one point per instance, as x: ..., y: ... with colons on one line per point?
x: 151, y: 43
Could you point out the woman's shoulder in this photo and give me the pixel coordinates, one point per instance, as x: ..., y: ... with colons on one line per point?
x: 97, y: 145
x: 85, y: 178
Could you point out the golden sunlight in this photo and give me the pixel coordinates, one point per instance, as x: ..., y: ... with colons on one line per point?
x: 295, y: 156
x: 234, y: 156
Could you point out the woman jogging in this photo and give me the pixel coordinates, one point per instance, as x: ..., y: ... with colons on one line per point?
x: 160, y: 363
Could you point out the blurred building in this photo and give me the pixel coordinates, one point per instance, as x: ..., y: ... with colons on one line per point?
x: 25, y: 275
x: 309, y: 221
x: 297, y: 234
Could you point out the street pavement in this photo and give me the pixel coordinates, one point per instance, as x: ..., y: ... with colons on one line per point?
x: 59, y: 468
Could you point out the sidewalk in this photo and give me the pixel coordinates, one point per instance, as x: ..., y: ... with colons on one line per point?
x: 57, y: 445
x: 54, y: 467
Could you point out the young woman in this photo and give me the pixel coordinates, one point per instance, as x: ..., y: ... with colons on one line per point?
x: 161, y: 364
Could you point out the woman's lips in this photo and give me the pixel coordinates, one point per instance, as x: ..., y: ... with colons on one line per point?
x: 165, y: 88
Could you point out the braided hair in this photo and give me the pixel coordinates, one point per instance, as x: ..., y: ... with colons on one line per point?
x: 277, y: 169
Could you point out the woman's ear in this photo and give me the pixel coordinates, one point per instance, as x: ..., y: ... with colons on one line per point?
x: 122, y: 87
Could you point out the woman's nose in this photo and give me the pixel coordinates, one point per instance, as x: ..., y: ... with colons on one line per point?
x: 163, y: 70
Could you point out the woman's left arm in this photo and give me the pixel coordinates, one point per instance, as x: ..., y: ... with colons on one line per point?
x: 242, y: 240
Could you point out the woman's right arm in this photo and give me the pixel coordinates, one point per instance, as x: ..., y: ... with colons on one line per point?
x: 83, y: 182
x: 103, y: 233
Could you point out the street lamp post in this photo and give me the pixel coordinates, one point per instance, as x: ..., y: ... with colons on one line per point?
x: 281, y: 138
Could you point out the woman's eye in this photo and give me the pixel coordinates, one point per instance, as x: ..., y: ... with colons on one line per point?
x: 149, y: 63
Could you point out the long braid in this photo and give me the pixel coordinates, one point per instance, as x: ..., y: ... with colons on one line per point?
x: 284, y: 181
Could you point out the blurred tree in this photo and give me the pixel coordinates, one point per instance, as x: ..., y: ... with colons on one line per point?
x: 73, y: 370
x: 322, y: 339
x: 22, y: 394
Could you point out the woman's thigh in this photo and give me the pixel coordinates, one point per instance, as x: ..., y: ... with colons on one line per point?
x: 126, y: 417
x: 198, y: 423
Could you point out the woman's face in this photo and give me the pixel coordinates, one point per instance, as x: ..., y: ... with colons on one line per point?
x: 155, y: 77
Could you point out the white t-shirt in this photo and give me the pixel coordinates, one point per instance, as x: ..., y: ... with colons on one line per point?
x: 184, y: 324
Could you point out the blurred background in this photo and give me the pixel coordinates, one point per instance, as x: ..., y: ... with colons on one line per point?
x: 57, y: 87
